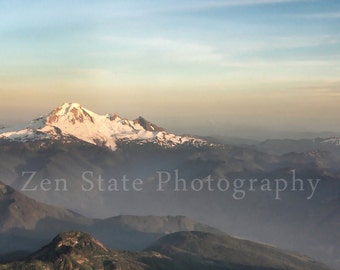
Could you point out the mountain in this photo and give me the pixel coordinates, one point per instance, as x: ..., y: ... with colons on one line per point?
x: 155, y: 224
x: 284, y: 146
x: 335, y: 141
x: 72, y: 144
x: 19, y: 212
x: 203, y: 250
x: 26, y: 224
x: 76, y: 250
x: 183, y: 250
x: 292, y: 222
x: 71, y: 122
x: 135, y: 233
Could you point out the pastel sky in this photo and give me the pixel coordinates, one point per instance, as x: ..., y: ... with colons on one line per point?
x: 189, y: 65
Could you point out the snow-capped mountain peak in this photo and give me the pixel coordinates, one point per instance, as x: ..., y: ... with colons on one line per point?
x: 72, y: 121
x: 70, y: 112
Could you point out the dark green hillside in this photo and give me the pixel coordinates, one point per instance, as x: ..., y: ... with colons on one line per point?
x: 180, y: 251
x: 200, y: 250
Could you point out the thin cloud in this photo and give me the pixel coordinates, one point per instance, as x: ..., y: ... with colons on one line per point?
x: 231, y: 3
x: 246, y: 2
x: 193, y: 51
x: 239, y: 47
x: 276, y: 64
x: 206, y: 5
x: 94, y: 72
x: 329, y: 15
x: 330, y: 88
x: 169, y: 50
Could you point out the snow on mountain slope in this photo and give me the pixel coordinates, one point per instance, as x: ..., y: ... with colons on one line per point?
x: 334, y: 141
x: 71, y: 120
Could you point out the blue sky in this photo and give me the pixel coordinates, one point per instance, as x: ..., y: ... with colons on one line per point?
x: 211, y: 63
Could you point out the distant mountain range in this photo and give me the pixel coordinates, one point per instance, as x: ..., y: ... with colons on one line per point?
x: 71, y: 140
x: 71, y: 122
x: 285, y: 146
x: 282, y: 146
x: 182, y: 250
x: 26, y: 224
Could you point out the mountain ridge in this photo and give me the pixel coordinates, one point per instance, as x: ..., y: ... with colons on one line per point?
x: 26, y: 224
x: 21, y: 212
x: 181, y: 250
x: 310, y: 228
x: 72, y: 120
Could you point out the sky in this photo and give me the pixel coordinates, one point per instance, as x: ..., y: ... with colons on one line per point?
x: 204, y: 67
